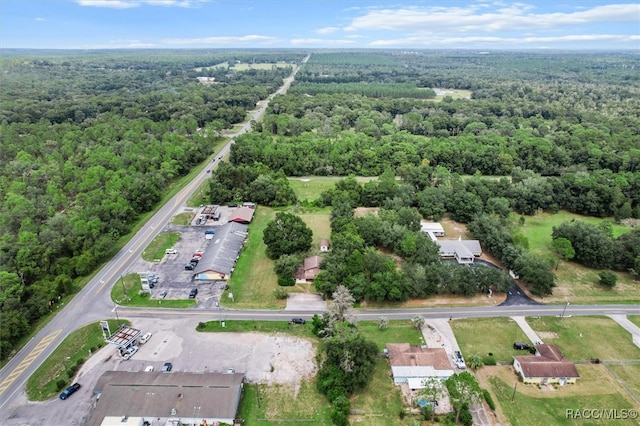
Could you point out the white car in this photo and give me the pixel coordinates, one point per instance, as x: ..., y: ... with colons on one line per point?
x: 149, y: 369
x: 145, y: 338
x: 130, y: 352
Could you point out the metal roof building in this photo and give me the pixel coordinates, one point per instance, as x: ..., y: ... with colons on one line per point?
x: 220, y: 257
x: 166, y: 398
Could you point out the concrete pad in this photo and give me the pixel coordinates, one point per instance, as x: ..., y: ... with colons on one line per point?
x: 305, y: 302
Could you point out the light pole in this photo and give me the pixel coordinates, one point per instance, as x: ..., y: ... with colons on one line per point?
x: 115, y: 309
x: 219, y: 312
x: 564, y: 310
x: 124, y: 292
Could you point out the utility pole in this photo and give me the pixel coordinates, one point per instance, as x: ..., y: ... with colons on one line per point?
x: 564, y: 310
x: 514, y: 391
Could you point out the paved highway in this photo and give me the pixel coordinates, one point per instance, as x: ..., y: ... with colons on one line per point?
x: 93, y: 302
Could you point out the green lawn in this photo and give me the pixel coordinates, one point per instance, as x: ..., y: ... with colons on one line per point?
x: 538, y: 228
x: 61, y: 365
x: 276, y: 405
x: 319, y: 222
x: 574, y: 281
x: 254, y: 280
x: 629, y: 374
x: 634, y: 319
x: 380, y: 403
x: 481, y: 336
x: 155, y: 251
x: 596, y: 389
x: 400, y: 331
x: 182, y: 219
x: 127, y: 292
x: 585, y: 338
x: 310, y: 187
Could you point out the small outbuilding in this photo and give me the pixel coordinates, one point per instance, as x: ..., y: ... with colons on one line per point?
x: 324, y: 245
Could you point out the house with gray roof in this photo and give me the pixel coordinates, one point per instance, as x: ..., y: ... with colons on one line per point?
x: 464, y: 251
x: 220, y: 256
x: 157, y: 398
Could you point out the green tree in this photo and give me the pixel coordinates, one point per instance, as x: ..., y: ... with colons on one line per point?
x: 475, y: 362
x: 286, y: 234
x: 563, y: 249
x: 434, y: 390
x: 464, y: 390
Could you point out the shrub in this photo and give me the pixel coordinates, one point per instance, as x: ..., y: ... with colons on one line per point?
x: 280, y: 293
x: 201, y: 325
x: 489, y: 360
x: 79, y: 362
x: 286, y: 281
x: 489, y: 399
x: 60, y: 384
x: 608, y: 279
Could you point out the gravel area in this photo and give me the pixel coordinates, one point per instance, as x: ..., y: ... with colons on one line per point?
x: 271, y: 359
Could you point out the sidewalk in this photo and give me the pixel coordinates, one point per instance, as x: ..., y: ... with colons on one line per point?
x: 524, y: 325
x: 624, y: 322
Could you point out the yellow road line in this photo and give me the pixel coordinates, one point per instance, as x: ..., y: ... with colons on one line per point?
x: 28, y: 360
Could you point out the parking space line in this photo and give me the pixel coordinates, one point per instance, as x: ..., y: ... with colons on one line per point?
x: 26, y: 362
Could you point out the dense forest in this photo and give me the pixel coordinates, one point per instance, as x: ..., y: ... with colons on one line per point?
x: 91, y: 140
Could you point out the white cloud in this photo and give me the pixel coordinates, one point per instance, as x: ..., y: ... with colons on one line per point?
x: 127, y: 4
x: 477, y: 18
x: 320, y: 42
x: 221, y: 40
x: 500, y: 41
x: 327, y: 30
x: 40, y: 19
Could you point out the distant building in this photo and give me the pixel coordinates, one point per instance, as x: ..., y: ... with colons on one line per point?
x: 206, y: 80
x: 309, y: 269
x: 324, y: 245
x: 413, y: 364
x: 548, y: 365
x: 157, y: 398
x: 432, y: 229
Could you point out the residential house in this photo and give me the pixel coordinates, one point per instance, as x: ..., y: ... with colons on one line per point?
x: 309, y: 269
x: 548, y: 365
x: 413, y: 364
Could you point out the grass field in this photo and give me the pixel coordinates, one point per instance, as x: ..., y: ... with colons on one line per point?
x: 310, y: 187
x: 585, y: 338
x: 254, y: 280
x: 319, y: 222
x: 575, y: 282
x: 454, y: 93
x: 629, y: 374
x: 538, y: 228
x: 596, y: 389
x: 245, y: 66
x: 276, y: 405
x: 126, y: 292
x: 380, y: 403
x: 65, y: 359
x: 182, y: 219
x: 634, y: 319
x: 481, y: 336
x: 156, y: 248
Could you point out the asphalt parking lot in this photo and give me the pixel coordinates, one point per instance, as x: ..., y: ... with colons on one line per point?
x: 174, y: 282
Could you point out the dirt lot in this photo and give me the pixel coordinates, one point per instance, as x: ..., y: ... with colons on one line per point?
x: 272, y: 359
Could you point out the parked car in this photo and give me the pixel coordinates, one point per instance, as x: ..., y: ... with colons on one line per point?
x: 458, y: 360
x: 145, y: 338
x: 166, y: 367
x: 196, y: 255
x: 163, y: 294
x: 521, y: 346
x: 298, y: 320
x: 194, y: 261
x: 70, y: 391
x: 171, y: 251
x: 189, y: 267
x: 130, y: 352
x: 193, y: 293
x: 149, y: 369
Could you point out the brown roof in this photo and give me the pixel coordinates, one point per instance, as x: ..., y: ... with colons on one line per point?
x: 242, y: 215
x: 403, y: 354
x: 143, y: 394
x: 324, y: 242
x: 549, y: 363
x: 309, y: 269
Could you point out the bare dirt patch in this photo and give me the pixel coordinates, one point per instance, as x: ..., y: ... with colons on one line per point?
x: 547, y: 334
x: 363, y: 211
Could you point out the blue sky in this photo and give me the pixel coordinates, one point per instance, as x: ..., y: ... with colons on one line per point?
x: 441, y: 24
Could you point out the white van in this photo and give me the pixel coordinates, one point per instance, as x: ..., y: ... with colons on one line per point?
x: 171, y: 251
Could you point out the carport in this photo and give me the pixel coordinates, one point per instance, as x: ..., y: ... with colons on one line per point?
x: 124, y: 337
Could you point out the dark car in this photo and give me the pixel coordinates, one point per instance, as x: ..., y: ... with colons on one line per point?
x: 521, y: 346
x: 166, y: 367
x: 70, y: 391
x: 194, y: 261
x: 298, y: 320
x: 189, y: 267
x: 193, y: 293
